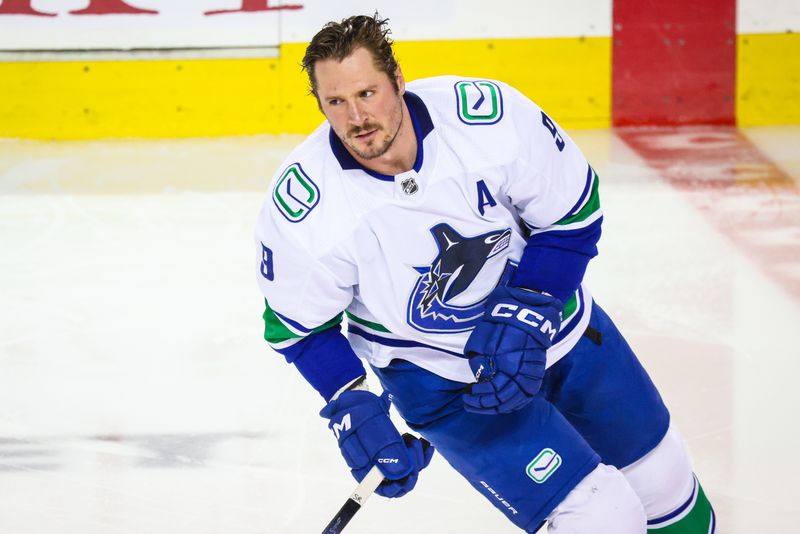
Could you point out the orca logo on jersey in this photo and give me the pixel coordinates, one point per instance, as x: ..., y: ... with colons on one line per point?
x: 460, y: 259
x: 479, y: 102
x: 295, y: 194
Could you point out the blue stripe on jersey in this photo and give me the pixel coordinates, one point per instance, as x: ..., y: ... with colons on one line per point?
x: 576, y: 317
x: 680, y: 510
x: 294, y: 324
x: 390, y: 342
x: 587, y: 189
x: 405, y: 343
x: 530, y: 226
x: 423, y: 125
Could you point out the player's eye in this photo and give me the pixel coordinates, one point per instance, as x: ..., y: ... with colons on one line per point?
x: 334, y: 102
x: 367, y: 93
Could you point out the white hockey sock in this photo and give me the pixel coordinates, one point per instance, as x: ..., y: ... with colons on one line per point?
x: 602, y: 502
x: 670, y: 493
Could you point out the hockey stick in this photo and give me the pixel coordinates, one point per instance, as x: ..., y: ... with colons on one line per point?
x: 366, y: 488
x: 357, y: 499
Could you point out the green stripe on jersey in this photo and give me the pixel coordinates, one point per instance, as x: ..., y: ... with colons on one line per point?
x: 591, y: 206
x: 276, y: 332
x: 369, y: 324
x: 570, y: 306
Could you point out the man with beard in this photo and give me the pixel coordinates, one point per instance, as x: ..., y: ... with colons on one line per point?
x: 452, y: 221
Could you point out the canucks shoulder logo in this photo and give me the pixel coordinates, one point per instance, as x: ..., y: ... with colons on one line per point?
x: 455, y: 267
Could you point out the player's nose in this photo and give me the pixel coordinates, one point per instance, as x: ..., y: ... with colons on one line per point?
x: 355, y: 114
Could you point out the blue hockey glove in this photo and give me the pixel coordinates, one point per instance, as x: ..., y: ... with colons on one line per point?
x: 506, y: 350
x: 360, y: 421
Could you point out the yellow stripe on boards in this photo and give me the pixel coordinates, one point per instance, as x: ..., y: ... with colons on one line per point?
x: 569, y: 77
x: 768, y: 79
x: 165, y: 98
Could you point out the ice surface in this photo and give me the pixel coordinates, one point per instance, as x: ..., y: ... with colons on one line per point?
x: 137, y: 396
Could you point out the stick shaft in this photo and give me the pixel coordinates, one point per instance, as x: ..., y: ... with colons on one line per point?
x: 366, y: 488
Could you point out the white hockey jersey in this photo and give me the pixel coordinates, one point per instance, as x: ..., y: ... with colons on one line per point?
x: 411, y: 258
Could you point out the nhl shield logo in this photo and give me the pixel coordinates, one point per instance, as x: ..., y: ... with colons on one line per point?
x: 409, y: 186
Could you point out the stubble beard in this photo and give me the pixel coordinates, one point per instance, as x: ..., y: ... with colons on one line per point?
x: 372, y: 152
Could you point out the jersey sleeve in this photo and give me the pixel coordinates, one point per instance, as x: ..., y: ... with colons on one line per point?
x: 304, y: 298
x: 551, y: 177
x: 556, y: 193
x: 302, y: 294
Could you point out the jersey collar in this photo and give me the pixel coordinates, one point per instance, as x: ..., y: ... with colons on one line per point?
x: 423, y: 125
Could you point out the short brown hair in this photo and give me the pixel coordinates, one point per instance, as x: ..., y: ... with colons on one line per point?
x: 337, y: 40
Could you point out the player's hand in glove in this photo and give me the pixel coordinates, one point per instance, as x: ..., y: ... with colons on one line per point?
x: 360, y: 421
x: 506, y: 350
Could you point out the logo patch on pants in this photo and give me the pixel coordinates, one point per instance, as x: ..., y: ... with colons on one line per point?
x: 544, y: 465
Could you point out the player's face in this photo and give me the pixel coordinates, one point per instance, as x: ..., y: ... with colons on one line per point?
x: 360, y: 103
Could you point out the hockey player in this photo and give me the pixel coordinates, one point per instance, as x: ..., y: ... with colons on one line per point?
x: 452, y: 221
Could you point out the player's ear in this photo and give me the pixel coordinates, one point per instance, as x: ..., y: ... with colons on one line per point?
x: 401, y: 81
